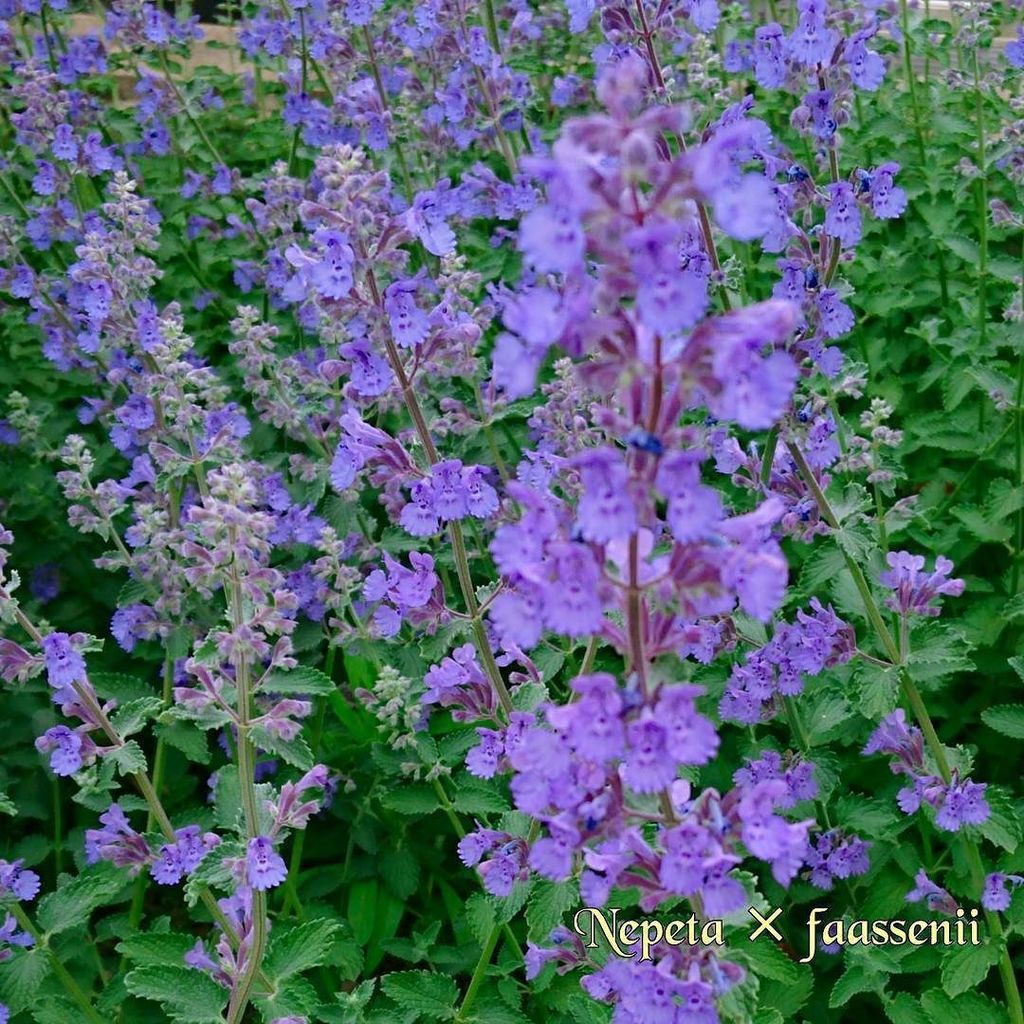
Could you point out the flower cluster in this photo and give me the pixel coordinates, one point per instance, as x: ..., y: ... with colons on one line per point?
x: 957, y: 803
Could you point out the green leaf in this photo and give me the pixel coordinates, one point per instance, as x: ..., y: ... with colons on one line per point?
x: 431, y: 995
x: 400, y: 871
x: 480, y: 916
x: 186, y: 995
x: 966, y: 967
x: 766, y: 960
x: 119, y: 687
x: 411, y: 799
x: 362, y: 903
x: 905, y: 1009
x: 129, y: 758
x: 969, y: 1008
x: 1003, y: 826
x: 301, y: 680
x: 476, y: 796
x: 854, y: 980
x: 186, y: 738
x: 130, y: 718
x: 21, y: 976
x: 295, y: 751
x: 1005, y: 718
x: 76, y: 898
x: 547, y: 905
x: 965, y: 248
x: 155, y: 948
x: 297, y: 949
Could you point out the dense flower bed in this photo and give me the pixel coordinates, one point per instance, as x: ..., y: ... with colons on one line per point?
x: 516, y: 458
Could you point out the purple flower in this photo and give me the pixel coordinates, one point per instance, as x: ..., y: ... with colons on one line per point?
x: 963, y: 804
x: 935, y: 897
x: 409, y: 324
x: 867, y: 69
x: 770, y: 56
x: 606, y: 511
x: 887, y: 200
x: 16, y: 881
x: 842, y: 215
x: 998, y: 890
x: 812, y: 41
x: 552, y: 239
x: 264, y: 868
x: 836, y: 316
x: 1014, y: 51
x: 176, y: 860
x: 833, y: 855
x: 914, y: 590
x: 64, y: 664
x: 68, y: 749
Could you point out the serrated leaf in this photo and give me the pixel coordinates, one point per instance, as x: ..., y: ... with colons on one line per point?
x: 766, y: 960
x: 1005, y: 718
x: 1003, y: 826
x: 854, y: 980
x: 477, y: 796
x: 300, y: 680
x: 480, y: 916
x: 156, y: 948
x: 411, y: 799
x: 185, y: 994
x: 299, y: 948
x: 296, y: 751
x: 76, y: 898
x: 119, y: 687
x: 186, y: 738
x: 905, y: 1009
x: 20, y: 978
x: 431, y: 995
x: 966, y: 967
x: 128, y: 757
x: 547, y: 905
x: 130, y: 718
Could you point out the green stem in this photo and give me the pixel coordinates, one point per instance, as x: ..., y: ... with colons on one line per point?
x: 71, y: 986
x: 479, y: 974
x: 491, y: 20
x: 250, y: 809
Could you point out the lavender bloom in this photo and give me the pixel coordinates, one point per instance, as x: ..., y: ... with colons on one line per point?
x: 842, y: 215
x: 887, y: 200
x: 69, y: 749
x: 65, y: 666
x: 867, y: 69
x: 117, y: 842
x: 998, y: 891
x: 176, y: 860
x: 833, y: 855
x: 264, y: 867
x: 1014, y: 51
x: 45, y: 582
x: 935, y: 897
x: 18, y: 882
x: 812, y: 41
x: 914, y: 590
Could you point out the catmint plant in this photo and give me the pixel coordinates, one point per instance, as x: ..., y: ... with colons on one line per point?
x: 465, y: 465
